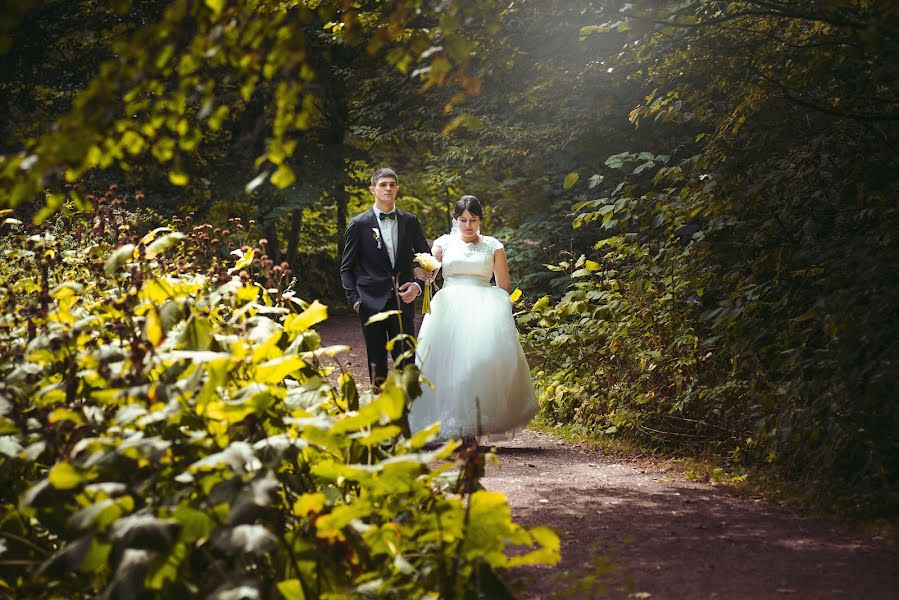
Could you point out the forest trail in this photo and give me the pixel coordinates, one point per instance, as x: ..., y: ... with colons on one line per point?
x: 633, y: 529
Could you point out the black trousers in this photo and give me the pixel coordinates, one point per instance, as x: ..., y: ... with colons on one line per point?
x: 379, y: 333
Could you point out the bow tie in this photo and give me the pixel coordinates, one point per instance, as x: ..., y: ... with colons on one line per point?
x: 390, y: 215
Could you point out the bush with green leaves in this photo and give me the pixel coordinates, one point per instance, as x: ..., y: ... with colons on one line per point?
x: 669, y: 331
x: 749, y: 293
x: 619, y: 351
x: 168, y: 431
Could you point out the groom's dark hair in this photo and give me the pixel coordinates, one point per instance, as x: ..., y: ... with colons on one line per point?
x: 469, y: 203
x: 381, y: 173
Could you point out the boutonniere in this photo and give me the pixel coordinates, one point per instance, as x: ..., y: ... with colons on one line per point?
x: 376, y: 233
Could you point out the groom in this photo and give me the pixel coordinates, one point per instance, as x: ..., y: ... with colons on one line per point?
x: 377, y: 271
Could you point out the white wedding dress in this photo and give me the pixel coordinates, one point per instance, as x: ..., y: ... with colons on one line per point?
x: 468, y: 349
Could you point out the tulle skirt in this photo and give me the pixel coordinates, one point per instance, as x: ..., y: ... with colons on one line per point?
x: 468, y: 349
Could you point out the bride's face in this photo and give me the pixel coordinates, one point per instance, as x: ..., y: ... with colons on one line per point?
x: 468, y: 225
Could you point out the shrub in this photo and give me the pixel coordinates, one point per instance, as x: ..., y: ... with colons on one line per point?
x: 168, y: 429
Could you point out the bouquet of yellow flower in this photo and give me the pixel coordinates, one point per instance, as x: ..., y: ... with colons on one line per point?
x: 428, y: 263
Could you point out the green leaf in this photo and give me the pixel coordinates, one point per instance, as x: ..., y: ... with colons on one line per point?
x: 195, y: 524
x: 570, y: 180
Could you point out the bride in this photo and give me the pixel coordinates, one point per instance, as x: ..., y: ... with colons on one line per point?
x: 468, y: 344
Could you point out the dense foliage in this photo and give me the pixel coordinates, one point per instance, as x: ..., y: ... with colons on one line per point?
x: 742, y: 287
x: 169, y: 430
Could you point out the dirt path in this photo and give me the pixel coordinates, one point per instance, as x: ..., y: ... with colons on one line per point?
x: 633, y: 530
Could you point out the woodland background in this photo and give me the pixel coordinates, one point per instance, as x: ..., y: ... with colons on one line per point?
x: 698, y: 198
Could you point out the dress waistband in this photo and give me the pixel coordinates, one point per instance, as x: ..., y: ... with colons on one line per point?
x: 475, y: 280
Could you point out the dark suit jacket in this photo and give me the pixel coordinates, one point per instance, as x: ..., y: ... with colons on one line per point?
x: 365, y: 271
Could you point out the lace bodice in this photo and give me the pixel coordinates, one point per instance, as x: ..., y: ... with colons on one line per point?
x: 462, y: 260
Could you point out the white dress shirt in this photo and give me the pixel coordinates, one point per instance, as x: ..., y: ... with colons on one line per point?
x: 388, y: 233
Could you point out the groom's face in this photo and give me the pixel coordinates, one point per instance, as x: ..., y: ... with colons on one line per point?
x: 385, y: 190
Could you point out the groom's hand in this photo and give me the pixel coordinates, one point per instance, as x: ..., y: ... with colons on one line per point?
x: 422, y: 274
x: 408, y: 292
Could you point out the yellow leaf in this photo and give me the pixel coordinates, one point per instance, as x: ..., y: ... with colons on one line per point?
x: 274, y: 371
x: 314, y: 313
x: 283, y: 177
x: 549, y: 552
x: 247, y: 293
x: 64, y: 414
x: 570, y: 180
x: 291, y: 589
x: 63, y: 476
x: 424, y: 436
x: 153, y: 327
x: 216, y: 6
x: 231, y: 413
x: 382, y: 316
x: 541, y: 303
x: 515, y: 295
x: 309, y: 503
x: 179, y: 178
x: 245, y: 260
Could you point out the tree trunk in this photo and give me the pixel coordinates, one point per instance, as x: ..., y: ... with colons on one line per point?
x: 333, y: 139
x: 270, y: 233
x: 342, y: 199
x: 293, y: 238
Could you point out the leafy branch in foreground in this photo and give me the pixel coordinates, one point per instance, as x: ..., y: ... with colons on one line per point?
x: 167, y: 434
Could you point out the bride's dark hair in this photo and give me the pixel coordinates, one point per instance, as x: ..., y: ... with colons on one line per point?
x: 469, y: 203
